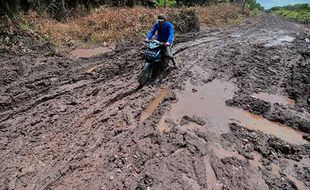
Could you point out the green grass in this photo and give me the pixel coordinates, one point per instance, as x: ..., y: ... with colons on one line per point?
x: 299, y: 12
x: 25, y: 26
x: 169, y: 3
x: 302, y: 15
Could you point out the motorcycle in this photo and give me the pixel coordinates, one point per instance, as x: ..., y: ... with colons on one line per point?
x: 154, y: 59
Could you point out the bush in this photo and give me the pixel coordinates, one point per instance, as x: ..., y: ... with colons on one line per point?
x: 169, y: 3
x: 185, y: 21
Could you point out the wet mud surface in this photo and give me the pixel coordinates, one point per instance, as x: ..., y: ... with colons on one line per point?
x: 234, y: 115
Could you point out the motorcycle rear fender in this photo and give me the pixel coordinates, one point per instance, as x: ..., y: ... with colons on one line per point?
x: 146, y: 65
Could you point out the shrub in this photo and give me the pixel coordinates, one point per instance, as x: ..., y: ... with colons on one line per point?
x: 185, y: 21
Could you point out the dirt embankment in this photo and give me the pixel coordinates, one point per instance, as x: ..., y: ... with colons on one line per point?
x: 235, y: 115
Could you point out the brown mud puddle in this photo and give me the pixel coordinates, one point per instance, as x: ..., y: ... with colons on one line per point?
x: 272, y: 128
x: 91, y: 69
x: 154, y: 105
x: 208, y: 102
x: 85, y: 53
x: 212, y: 180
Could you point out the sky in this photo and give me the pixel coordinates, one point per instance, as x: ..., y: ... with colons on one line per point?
x: 267, y: 4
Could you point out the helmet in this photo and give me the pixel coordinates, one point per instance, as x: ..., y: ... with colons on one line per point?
x: 161, y: 18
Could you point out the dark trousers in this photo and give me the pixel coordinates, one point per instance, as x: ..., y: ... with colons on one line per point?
x: 169, y: 55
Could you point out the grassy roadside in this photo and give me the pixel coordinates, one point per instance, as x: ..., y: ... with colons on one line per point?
x: 111, y: 25
x: 298, y: 12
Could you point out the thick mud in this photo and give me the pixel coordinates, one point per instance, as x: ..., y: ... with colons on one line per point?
x: 234, y: 115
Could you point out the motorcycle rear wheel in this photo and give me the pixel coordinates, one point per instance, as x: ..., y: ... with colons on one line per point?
x: 145, y: 76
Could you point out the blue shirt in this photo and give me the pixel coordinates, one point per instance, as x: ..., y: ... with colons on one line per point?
x: 165, y: 32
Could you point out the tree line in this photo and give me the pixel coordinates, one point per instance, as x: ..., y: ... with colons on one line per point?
x: 10, y: 7
x: 61, y: 8
x: 296, y: 7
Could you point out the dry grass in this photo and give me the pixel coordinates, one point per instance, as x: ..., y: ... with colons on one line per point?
x: 218, y: 15
x: 106, y: 25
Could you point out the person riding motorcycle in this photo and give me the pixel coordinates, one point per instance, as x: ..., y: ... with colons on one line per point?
x: 165, y: 34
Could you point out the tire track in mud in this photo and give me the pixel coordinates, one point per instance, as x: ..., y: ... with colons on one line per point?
x: 88, y: 121
x: 48, y: 100
x: 91, y: 135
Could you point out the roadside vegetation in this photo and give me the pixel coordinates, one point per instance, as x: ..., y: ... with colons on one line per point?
x: 299, y: 12
x: 108, y: 25
x: 65, y: 23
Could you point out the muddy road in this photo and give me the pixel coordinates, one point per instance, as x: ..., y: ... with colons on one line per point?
x: 235, y: 115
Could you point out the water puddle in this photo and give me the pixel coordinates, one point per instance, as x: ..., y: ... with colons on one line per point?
x: 280, y: 41
x: 91, y: 69
x: 154, y: 104
x: 275, y: 99
x: 212, y: 181
x: 272, y: 128
x: 209, y: 102
x: 85, y: 53
x: 286, y: 39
